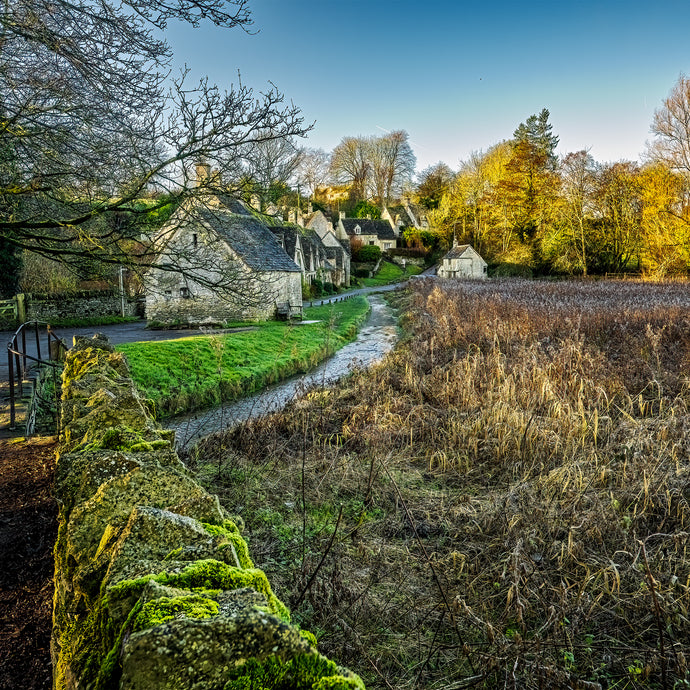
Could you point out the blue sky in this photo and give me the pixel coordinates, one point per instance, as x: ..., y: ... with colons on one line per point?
x: 457, y: 76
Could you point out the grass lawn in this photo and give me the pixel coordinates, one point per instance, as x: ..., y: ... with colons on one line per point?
x: 200, y: 371
x: 390, y: 273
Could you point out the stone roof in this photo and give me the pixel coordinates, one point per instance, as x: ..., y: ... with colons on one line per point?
x: 253, y: 242
x: 233, y: 205
x: 381, y: 228
x: 288, y: 235
x: 459, y: 250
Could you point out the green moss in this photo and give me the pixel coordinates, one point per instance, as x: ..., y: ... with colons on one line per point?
x: 211, y: 574
x: 119, y: 438
x: 303, y: 672
x: 93, y: 645
x: 143, y: 447
x: 167, y: 608
x: 228, y: 530
x: 309, y: 637
x: 202, y: 576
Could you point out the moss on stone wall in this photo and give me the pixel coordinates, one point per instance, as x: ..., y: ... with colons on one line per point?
x: 155, y: 587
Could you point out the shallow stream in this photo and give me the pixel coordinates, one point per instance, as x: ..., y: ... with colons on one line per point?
x: 375, y: 339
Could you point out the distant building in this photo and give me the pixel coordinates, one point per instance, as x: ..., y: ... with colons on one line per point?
x: 367, y: 231
x: 462, y: 261
x: 338, y: 251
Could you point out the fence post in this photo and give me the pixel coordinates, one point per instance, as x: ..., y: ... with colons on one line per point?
x: 38, y: 342
x: 20, y: 301
x: 23, y: 351
x: 10, y: 366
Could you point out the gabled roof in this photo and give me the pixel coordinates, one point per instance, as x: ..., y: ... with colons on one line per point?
x: 288, y: 235
x: 381, y: 228
x: 249, y: 238
x: 459, y: 250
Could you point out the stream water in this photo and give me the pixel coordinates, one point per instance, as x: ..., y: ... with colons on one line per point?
x: 375, y: 339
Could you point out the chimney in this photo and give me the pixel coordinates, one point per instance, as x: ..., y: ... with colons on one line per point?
x: 255, y: 202
x: 203, y: 172
x: 342, y: 214
x: 292, y: 216
x: 310, y: 208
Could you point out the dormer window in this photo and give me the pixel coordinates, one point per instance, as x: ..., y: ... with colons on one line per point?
x: 184, y: 292
x: 358, y: 230
x: 195, y: 240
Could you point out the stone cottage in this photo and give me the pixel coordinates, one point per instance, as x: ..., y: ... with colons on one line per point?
x: 367, y: 231
x: 338, y: 251
x: 307, y: 250
x: 462, y: 261
x: 224, y: 265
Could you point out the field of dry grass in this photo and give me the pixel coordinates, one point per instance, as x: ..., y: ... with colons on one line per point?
x: 502, y: 503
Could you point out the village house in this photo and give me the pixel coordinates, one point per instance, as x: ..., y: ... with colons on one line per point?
x: 337, y: 251
x: 365, y: 231
x: 406, y: 215
x: 462, y: 261
x: 226, y: 266
x: 307, y: 250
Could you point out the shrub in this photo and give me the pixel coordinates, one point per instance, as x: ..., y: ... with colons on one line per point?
x: 316, y: 288
x: 368, y: 252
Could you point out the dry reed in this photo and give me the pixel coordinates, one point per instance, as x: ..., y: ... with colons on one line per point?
x: 514, y: 481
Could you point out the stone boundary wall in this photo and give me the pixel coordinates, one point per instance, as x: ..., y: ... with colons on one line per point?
x: 80, y: 305
x: 154, y: 585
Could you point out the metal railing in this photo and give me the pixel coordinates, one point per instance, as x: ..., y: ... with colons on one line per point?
x: 17, y: 357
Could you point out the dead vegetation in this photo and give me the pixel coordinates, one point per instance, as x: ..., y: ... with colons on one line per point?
x: 502, y: 503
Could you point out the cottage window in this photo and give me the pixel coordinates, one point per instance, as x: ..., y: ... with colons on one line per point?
x: 194, y: 239
x: 372, y: 242
x: 184, y: 292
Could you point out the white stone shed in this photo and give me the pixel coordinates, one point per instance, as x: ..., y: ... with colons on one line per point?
x: 462, y: 261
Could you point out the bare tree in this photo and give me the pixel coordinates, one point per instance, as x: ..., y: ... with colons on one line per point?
x: 271, y: 161
x: 90, y: 123
x: 351, y: 164
x: 671, y: 127
x: 578, y: 181
x: 313, y: 168
x: 392, y: 164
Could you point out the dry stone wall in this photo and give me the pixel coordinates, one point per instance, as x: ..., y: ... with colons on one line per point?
x: 80, y: 305
x: 154, y: 585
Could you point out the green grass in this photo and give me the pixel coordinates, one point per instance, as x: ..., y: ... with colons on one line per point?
x: 201, y: 371
x: 390, y: 273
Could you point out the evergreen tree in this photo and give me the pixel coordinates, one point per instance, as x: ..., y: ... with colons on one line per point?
x: 537, y: 133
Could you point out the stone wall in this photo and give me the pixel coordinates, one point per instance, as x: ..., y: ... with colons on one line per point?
x: 80, y: 305
x: 154, y: 585
x: 407, y: 260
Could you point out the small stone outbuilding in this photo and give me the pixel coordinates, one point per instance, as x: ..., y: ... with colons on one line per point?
x: 462, y: 261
